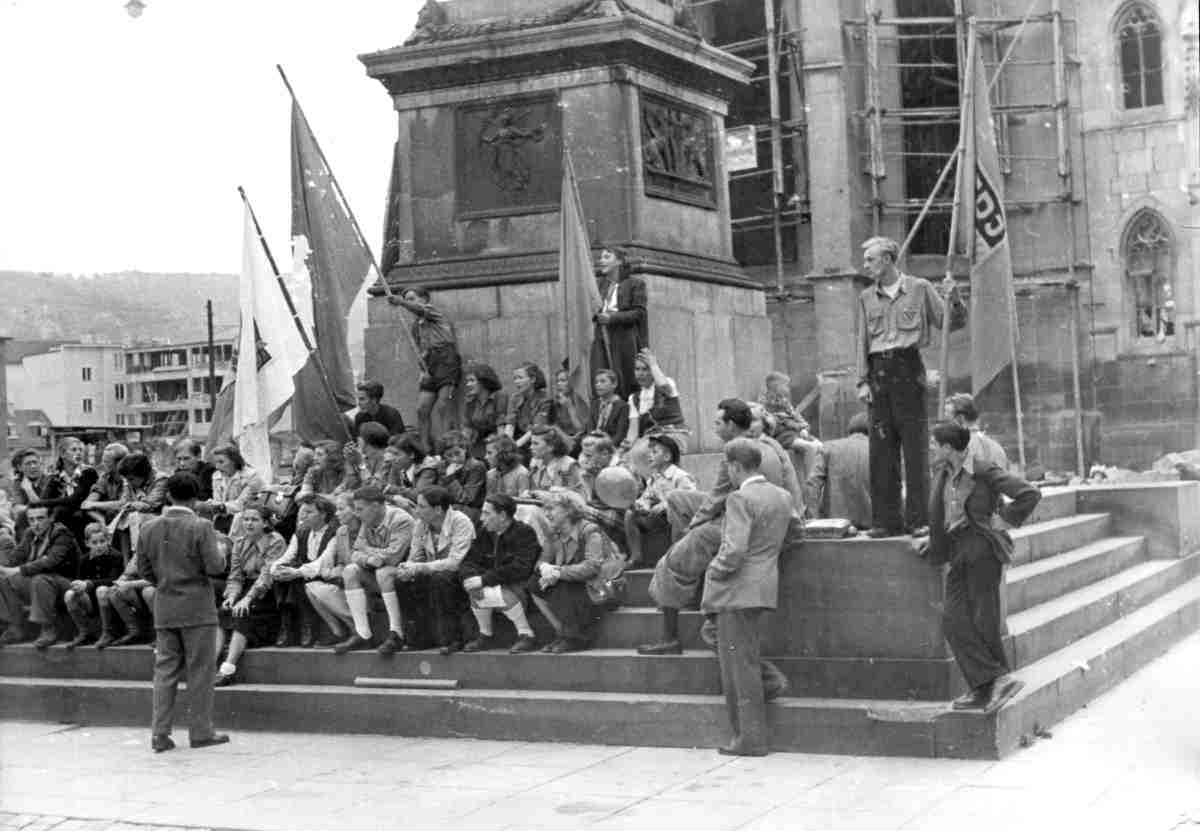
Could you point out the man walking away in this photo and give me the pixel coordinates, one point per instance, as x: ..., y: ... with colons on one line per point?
x: 741, y: 583
x: 177, y: 552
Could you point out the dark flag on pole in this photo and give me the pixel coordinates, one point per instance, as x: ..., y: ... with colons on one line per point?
x: 327, y: 246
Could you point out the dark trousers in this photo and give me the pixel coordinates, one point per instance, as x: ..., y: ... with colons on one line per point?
x: 973, y: 619
x: 41, y: 591
x: 738, y: 648
x: 187, y: 654
x: 433, y: 606
x: 899, y: 428
x: 571, y: 604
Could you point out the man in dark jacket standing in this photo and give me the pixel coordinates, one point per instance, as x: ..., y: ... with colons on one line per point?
x: 42, y: 568
x: 963, y: 510
x: 177, y: 552
x: 495, y: 571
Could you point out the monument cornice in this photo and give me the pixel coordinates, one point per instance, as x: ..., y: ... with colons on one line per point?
x: 630, y: 40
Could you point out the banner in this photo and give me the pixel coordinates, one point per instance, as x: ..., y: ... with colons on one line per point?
x: 581, y: 296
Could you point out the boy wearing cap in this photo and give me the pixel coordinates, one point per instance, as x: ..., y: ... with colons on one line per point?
x: 648, y: 514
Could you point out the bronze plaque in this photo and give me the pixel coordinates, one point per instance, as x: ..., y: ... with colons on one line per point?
x: 677, y: 151
x: 509, y: 156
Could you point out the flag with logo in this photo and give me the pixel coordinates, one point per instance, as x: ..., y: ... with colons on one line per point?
x: 271, y: 353
x: 331, y: 273
x: 581, y: 296
x: 984, y: 237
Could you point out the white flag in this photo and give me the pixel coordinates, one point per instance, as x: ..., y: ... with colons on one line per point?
x: 268, y: 363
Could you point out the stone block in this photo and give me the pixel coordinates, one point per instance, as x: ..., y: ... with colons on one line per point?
x: 752, y: 354
x: 1170, y: 158
x: 1167, y: 514
x: 470, y: 304
x: 674, y: 293
x: 715, y: 368
x: 1133, y: 138
x: 513, y: 340
x: 672, y: 338
x: 1134, y: 162
x: 1132, y: 185
x: 528, y: 299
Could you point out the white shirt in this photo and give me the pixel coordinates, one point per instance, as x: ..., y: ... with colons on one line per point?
x: 610, y: 300
x: 892, y: 290
x: 758, y: 477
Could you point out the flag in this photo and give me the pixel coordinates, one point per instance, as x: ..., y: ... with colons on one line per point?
x: 331, y: 258
x: 271, y: 353
x: 985, y: 239
x: 581, y: 297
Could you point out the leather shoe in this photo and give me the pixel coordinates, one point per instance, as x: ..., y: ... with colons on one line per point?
x: 976, y: 699
x: 352, y: 643
x: 308, y: 636
x: 479, y: 644
x: 661, y: 648
x: 415, y: 646
x: 13, y: 634
x: 328, y: 640
x: 449, y: 648
x: 285, y: 636
x: 133, y: 636
x: 106, y: 640
x: 550, y: 647
x: 46, y: 639
x: 161, y: 744
x: 391, y: 644
x: 565, y: 645
x: 82, y: 639
x: 739, y: 749
x: 878, y: 533
x: 525, y: 643
x: 1003, y: 690
x: 211, y: 741
x: 225, y: 680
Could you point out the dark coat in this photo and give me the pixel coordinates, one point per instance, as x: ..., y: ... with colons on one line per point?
x: 628, y: 332
x: 617, y: 423
x: 504, y: 560
x: 101, y: 570
x: 64, y: 502
x: 980, y: 489
x: 59, y: 556
x: 177, y: 552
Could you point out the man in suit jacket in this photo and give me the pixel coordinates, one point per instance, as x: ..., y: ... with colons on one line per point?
x: 42, y: 568
x: 840, y: 483
x: 177, y: 552
x: 741, y: 583
x: 963, y: 507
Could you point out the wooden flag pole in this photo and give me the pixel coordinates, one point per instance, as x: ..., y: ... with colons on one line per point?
x: 287, y: 296
x: 362, y: 240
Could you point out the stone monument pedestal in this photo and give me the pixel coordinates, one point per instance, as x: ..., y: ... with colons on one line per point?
x: 490, y: 95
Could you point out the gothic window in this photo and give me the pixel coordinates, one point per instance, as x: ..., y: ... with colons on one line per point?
x: 1139, y: 42
x: 1147, y: 255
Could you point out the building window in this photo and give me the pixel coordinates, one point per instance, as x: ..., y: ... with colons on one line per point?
x: 119, y: 391
x: 1139, y: 42
x: 87, y: 405
x: 120, y: 418
x: 118, y: 361
x: 87, y: 373
x: 1147, y: 252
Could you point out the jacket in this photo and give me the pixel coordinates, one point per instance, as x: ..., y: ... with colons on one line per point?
x: 840, y: 483
x: 177, y: 553
x: 100, y: 570
x: 616, y: 424
x: 744, y: 574
x: 55, y: 553
x: 778, y: 469
x: 502, y: 560
x: 980, y: 488
x: 296, y: 554
x: 251, y: 562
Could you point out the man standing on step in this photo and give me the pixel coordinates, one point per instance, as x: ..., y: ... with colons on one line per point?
x: 896, y: 319
x: 177, y: 552
x: 741, y: 583
x: 964, y: 532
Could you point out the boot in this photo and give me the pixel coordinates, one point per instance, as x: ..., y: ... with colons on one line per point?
x: 47, y: 638
x: 106, y: 626
x: 285, y: 628
x: 15, y: 633
x: 308, y: 633
x: 669, y: 645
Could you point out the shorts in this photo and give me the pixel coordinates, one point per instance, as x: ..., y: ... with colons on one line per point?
x: 443, y: 368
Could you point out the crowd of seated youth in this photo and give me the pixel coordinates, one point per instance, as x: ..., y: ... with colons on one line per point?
x: 537, y: 503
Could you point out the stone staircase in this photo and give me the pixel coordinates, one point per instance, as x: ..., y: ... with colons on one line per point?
x: 1089, y: 603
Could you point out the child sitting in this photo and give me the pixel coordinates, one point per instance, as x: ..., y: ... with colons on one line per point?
x: 100, y: 566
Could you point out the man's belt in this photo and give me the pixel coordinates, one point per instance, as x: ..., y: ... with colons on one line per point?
x: 906, y: 352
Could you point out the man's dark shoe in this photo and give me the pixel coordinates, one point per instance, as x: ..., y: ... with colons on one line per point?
x: 976, y: 699
x: 13, y: 634
x: 661, y: 648
x: 1003, y: 691
x: 708, y: 634
x: 877, y: 533
x: 352, y: 643
x: 285, y: 636
x: 775, y: 689
x: 212, y: 741
x: 550, y: 647
x: 225, y: 680
x: 106, y: 640
x: 450, y: 648
x: 329, y: 640
x: 525, y: 643
x: 308, y: 636
x: 416, y: 645
x: 740, y: 749
x: 391, y: 644
x: 82, y: 639
x: 161, y: 744
x: 47, y: 638
x: 132, y: 636
x: 565, y: 645
x: 479, y: 644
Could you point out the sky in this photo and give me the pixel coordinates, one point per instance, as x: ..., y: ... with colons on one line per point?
x: 123, y: 141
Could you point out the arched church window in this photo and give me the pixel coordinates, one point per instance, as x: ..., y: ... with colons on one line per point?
x: 1139, y: 43
x: 1148, y: 269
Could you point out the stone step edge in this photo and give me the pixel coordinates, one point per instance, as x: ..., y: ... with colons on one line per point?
x: 1097, y: 548
x: 1044, y: 614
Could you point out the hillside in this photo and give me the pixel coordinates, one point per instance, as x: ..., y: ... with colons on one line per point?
x: 114, y: 307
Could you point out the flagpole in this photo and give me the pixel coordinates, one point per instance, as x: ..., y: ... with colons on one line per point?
x: 965, y: 167
x: 387, y: 289
x: 308, y: 344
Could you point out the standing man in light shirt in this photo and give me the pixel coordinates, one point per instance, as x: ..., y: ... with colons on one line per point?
x: 896, y: 320
x: 177, y: 552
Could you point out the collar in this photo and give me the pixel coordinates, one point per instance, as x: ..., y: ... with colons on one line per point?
x: 758, y: 477
x: 903, y: 284
x: 178, y: 510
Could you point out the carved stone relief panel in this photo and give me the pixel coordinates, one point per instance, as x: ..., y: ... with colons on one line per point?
x: 677, y: 151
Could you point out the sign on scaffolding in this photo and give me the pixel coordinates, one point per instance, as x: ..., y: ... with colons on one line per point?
x: 741, y: 151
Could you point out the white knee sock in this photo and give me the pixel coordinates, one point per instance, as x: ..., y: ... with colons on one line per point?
x: 484, y: 618
x: 516, y: 613
x: 392, y: 604
x: 356, y: 599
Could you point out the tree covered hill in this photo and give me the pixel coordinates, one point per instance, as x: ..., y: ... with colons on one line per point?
x: 115, y: 308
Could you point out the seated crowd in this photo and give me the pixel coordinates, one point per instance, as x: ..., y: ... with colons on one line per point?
x: 535, y: 504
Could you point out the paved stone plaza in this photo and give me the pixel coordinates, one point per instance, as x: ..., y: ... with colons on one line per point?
x: 1130, y: 762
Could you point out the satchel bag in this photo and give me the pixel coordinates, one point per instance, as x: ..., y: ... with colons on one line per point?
x: 609, y: 587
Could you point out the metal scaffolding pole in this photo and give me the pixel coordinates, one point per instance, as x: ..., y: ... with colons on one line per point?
x: 776, y: 142
x: 875, y: 114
